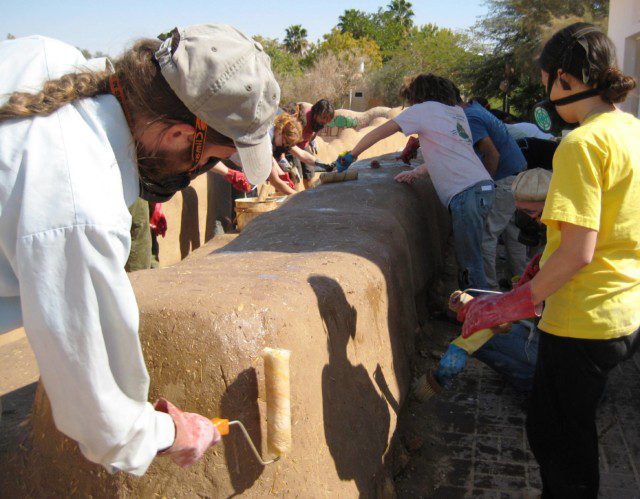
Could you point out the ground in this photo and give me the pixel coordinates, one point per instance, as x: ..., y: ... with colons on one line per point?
x: 469, y: 441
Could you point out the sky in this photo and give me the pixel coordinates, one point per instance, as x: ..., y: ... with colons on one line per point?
x: 111, y: 25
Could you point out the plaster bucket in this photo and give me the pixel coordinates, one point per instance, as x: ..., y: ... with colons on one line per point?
x: 249, y: 208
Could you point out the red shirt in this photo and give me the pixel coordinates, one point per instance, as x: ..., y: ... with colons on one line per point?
x: 308, y: 133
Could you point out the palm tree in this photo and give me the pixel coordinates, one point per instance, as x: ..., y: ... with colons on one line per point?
x: 295, y: 40
x: 402, y: 12
x: 356, y: 22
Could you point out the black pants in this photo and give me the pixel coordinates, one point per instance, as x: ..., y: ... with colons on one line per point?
x: 561, y: 422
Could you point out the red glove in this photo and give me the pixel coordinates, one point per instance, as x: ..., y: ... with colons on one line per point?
x: 533, y: 267
x: 410, y: 151
x: 158, y: 221
x: 194, y: 434
x: 238, y: 180
x: 492, y: 310
x: 286, y: 178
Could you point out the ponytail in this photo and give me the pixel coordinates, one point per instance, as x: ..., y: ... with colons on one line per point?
x: 54, y: 95
x: 615, y: 85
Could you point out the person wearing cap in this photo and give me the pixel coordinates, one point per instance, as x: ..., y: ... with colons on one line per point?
x: 514, y: 352
x: 78, y: 145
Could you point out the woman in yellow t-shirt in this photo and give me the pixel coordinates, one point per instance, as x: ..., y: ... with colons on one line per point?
x: 590, y: 271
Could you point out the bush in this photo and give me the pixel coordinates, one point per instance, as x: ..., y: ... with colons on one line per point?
x: 331, y: 77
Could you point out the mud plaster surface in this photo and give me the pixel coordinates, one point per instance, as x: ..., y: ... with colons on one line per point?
x: 335, y: 275
x: 192, y: 213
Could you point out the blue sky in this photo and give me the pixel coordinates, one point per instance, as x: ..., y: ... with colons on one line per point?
x: 109, y: 26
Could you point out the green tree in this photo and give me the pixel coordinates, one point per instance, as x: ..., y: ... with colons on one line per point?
x: 10, y: 36
x: 388, y: 28
x: 401, y: 12
x: 429, y: 49
x: 340, y: 43
x: 358, y: 23
x: 295, y: 39
x: 513, y: 32
x: 282, y: 62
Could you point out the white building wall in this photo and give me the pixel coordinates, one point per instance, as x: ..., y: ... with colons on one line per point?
x: 624, y: 30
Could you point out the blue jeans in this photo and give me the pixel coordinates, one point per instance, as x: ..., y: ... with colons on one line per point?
x: 513, y: 355
x: 469, y: 209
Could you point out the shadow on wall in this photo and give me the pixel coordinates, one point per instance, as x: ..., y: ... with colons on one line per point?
x: 16, y: 407
x: 356, y: 417
x: 189, y: 222
x: 400, y: 229
x: 240, y: 402
x: 220, y: 204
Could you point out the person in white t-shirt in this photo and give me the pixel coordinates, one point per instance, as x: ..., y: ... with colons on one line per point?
x: 525, y: 129
x: 78, y: 145
x: 459, y: 178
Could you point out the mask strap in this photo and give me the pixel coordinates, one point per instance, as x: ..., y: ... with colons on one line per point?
x: 592, y: 92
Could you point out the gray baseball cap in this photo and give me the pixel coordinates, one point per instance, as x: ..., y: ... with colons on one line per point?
x: 225, y: 79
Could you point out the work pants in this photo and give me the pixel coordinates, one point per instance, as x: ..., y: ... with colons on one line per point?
x: 469, y: 210
x: 140, y: 252
x: 561, y: 422
x: 513, y: 355
x: 501, y: 220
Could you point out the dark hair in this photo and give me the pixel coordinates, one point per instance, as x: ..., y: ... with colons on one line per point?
x: 585, y: 52
x: 428, y: 87
x: 322, y: 107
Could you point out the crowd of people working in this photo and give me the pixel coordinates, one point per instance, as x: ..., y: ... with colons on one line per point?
x: 79, y: 146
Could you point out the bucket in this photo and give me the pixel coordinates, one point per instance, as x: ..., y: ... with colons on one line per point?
x: 249, y: 208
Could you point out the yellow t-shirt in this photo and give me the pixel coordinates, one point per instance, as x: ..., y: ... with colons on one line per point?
x: 596, y: 184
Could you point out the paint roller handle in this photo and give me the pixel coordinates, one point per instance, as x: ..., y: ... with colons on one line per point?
x: 488, y: 311
x: 222, y: 425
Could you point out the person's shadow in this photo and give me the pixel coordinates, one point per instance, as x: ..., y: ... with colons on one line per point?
x: 356, y: 417
x: 189, y: 222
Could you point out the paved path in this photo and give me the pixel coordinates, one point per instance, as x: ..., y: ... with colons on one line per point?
x: 478, y: 429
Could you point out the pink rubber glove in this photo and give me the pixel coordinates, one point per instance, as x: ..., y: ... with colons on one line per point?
x: 287, y: 179
x: 488, y: 311
x: 533, y: 267
x: 158, y: 222
x: 238, y: 180
x: 194, y: 434
x: 410, y: 151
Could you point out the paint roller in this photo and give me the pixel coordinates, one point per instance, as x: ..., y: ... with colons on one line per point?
x: 276, y: 374
x: 427, y: 385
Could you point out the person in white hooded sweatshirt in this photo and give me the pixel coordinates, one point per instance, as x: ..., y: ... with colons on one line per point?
x: 79, y: 142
